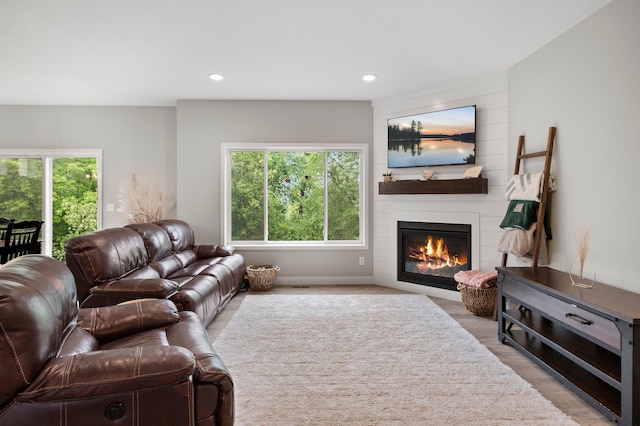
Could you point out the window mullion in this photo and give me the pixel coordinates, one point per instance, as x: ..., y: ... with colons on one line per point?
x: 47, y: 204
x: 326, y: 200
x: 265, y: 191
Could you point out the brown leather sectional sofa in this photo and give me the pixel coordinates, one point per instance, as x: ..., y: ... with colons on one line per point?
x: 141, y: 363
x: 154, y: 260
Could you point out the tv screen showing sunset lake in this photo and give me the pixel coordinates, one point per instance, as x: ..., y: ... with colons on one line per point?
x: 433, y: 139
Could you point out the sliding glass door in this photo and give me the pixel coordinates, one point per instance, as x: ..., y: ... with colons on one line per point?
x: 60, y: 187
x: 21, y: 188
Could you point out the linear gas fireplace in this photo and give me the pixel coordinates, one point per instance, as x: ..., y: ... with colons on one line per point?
x: 431, y: 253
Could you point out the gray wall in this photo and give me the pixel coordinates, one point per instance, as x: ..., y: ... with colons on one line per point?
x: 202, y: 126
x: 587, y: 84
x: 138, y: 140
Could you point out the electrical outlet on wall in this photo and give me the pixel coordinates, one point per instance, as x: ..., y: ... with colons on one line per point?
x: 361, y: 260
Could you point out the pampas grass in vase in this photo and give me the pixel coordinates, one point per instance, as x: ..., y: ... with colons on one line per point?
x: 140, y: 203
x: 584, y: 237
x: 583, y: 240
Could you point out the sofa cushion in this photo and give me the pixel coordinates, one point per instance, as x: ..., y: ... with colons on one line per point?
x: 180, y: 234
x: 135, y: 288
x: 167, y: 266
x: 107, y: 254
x: 109, y: 323
x: 213, y: 250
x: 80, y: 341
x: 155, y: 238
x: 223, y: 274
x: 186, y: 257
x: 193, y: 269
x: 200, y: 294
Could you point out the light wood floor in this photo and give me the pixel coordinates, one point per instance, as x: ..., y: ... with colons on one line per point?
x: 483, y: 328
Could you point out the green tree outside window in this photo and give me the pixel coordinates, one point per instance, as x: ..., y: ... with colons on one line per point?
x: 312, y: 196
x: 75, y: 195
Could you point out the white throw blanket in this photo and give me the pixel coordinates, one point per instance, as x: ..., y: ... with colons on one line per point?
x: 525, y: 187
x: 528, y: 186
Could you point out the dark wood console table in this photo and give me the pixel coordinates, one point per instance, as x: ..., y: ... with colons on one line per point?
x: 586, y: 338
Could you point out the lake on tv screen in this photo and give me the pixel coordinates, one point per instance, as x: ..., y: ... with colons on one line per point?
x: 430, y: 153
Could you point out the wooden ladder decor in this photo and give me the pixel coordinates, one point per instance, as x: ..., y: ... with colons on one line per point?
x: 547, y: 154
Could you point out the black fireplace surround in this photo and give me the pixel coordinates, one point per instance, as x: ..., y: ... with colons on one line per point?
x: 431, y: 253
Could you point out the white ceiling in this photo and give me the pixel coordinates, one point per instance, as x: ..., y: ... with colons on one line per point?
x: 154, y: 52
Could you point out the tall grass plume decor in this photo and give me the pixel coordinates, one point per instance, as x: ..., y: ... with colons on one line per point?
x: 141, y: 203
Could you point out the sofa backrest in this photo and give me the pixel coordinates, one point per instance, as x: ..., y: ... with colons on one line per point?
x: 108, y: 254
x: 180, y: 233
x: 104, y: 255
x: 156, y: 240
x: 37, y: 310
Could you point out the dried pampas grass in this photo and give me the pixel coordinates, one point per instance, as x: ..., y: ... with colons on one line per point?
x: 582, y: 241
x: 141, y: 203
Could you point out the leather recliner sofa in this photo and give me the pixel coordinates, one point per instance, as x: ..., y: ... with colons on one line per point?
x: 154, y: 260
x: 141, y: 363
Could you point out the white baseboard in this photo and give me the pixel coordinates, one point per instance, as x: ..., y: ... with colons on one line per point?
x: 324, y: 281
x: 412, y: 288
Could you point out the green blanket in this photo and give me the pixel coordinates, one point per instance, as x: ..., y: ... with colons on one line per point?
x: 520, y: 215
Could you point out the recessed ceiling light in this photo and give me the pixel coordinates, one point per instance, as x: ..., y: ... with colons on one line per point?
x: 216, y: 77
x: 369, y: 77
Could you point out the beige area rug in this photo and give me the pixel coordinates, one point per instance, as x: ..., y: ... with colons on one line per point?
x: 369, y: 360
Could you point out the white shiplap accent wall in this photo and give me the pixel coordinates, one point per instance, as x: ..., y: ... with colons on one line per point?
x: 490, y: 95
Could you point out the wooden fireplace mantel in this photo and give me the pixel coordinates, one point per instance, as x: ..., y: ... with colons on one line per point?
x: 435, y: 186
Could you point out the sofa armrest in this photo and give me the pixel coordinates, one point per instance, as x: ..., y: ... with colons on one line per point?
x: 191, y: 334
x: 113, y: 322
x: 136, y: 288
x: 211, y: 250
x: 110, y: 372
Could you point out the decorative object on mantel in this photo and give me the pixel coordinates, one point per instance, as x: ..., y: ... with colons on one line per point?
x: 577, y: 268
x: 472, y: 172
x: 387, y: 176
x: 427, y: 174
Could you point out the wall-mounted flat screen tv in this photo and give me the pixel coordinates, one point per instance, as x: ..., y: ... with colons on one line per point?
x: 436, y: 138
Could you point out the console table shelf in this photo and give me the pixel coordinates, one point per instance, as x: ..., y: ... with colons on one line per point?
x: 587, y: 338
x: 435, y: 186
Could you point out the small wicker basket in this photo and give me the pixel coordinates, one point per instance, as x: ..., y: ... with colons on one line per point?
x: 478, y: 301
x: 262, y: 277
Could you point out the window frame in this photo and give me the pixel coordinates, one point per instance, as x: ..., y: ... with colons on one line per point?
x: 361, y: 148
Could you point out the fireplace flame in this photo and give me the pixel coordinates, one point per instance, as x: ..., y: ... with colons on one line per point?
x: 435, y: 255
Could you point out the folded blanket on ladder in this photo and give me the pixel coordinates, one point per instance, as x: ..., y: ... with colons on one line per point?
x: 520, y: 243
x: 525, y: 187
x: 520, y: 215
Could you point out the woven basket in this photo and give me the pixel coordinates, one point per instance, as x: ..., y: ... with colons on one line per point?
x: 478, y: 301
x: 262, y: 277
